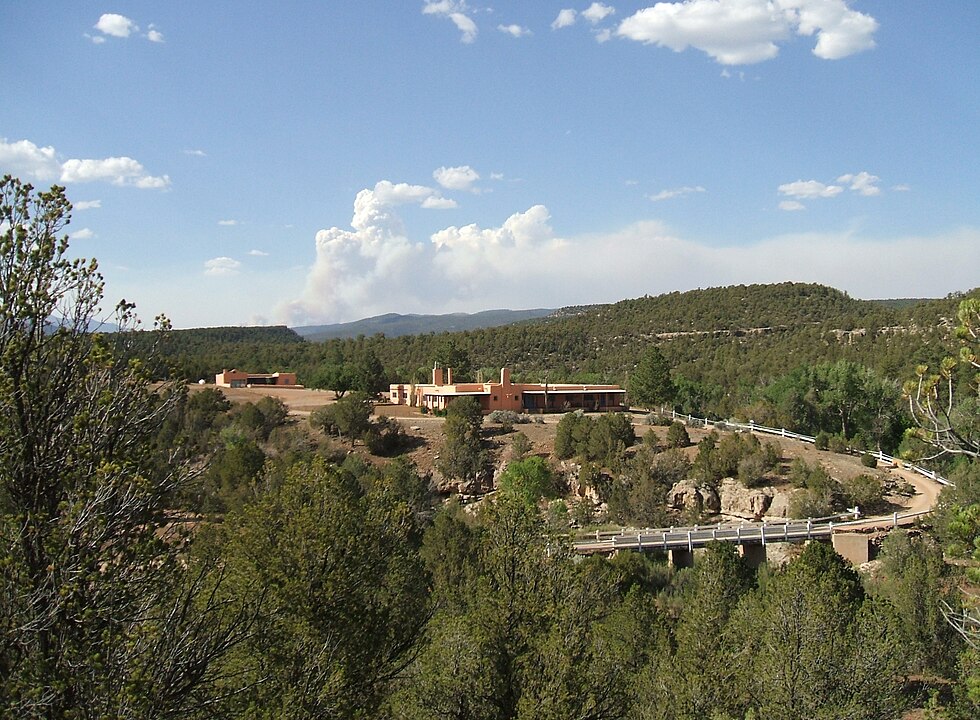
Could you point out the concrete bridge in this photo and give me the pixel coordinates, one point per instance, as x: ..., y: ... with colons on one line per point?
x: 751, y: 538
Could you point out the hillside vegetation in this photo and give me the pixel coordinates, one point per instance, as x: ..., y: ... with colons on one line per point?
x: 723, y: 343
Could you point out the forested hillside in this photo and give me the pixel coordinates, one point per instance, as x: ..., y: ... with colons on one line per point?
x: 722, y: 343
x: 173, y: 552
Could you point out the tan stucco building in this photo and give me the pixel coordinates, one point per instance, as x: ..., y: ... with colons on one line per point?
x: 506, y: 395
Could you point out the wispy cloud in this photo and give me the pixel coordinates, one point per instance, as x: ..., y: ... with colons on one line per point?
x: 221, y: 267
x: 456, y: 11
x: 597, y: 12
x: 809, y: 189
x: 86, y: 205
x: 258, y: 253
x: 228, y: 223
x: 196, y: 153
x: 676, y: 192
x: 566, y: 18
x: 82, y: 234
x: 862, y: 183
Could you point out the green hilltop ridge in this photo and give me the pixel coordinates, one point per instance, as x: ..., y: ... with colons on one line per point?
x: 724, y: 344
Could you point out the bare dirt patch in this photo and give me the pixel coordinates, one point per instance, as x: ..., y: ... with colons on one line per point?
x: 300, y: 401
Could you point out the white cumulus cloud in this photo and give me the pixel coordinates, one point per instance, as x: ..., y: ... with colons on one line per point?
x: 566, y: 18
x: 82, y: 234
x: 29, y: 161
x: 117, y: 170
x: 374, y: 267
x: 514, y: 30
x: 154, y: 35
x: 258, y: 253
x: 227, y: 223
x: 791, y: 205
x: 221, y: 267
x: 456, y: 178
x: 41, y: 164
x: 86, y: 205
x: 116, y: 25
x: 597, y: 12
x: 739, y: 32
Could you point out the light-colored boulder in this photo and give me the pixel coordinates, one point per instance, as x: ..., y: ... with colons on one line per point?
x: 779, y: 507
x: 690, y: 495
x: 740, y: 501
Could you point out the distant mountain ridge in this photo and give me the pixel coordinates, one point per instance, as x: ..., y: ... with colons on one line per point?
x: 396, y: 325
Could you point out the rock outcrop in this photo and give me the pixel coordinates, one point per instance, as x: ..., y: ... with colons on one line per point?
x: 742, y: 502
x: 692, y: 495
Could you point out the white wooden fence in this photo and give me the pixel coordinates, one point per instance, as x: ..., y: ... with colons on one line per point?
x: 783, y: 432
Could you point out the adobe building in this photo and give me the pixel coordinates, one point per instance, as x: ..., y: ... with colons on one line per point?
x: 239, y: 379
x: 506, y: 395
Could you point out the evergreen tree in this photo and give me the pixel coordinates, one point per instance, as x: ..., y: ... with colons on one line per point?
x: 463, y: 456
x: 101, y: 615
x: 650, y: 384
x: 343, y: 590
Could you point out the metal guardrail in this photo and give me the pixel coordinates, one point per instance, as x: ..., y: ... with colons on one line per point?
x: 689, y: 538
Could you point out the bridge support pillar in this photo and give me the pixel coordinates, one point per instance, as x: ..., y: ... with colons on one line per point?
x: 680, y: 558
x: 753, y: 555
x: 854, y: 547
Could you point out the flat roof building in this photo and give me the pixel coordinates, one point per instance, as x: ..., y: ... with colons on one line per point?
x: 240, y: 379
x: 506, y: 395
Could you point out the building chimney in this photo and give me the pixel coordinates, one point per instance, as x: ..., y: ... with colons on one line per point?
x: 449, y: 376
x: 437, y: 376
x: 505, y: 376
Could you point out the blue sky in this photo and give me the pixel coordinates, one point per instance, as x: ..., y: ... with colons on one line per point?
x: 311, y: 162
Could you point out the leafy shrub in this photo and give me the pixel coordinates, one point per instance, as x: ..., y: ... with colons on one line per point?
x: 869, y: 460
x: 508, y: 417
x: 651, y: 439
x: 520, y: 446
x: 838, y: 444
x: 810, y: 503
x: 811, y: 477
x: 385, y: 437
x: 752, y: 469
x: 529, y: 479
x: 822, y: 441
x: 865, y: 491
